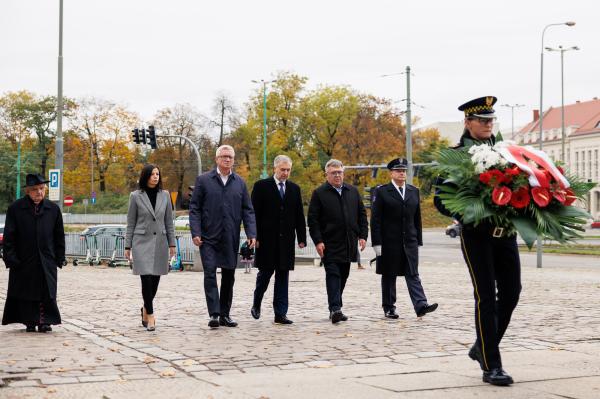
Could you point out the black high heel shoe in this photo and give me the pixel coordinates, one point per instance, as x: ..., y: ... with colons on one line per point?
x: 144, y: 323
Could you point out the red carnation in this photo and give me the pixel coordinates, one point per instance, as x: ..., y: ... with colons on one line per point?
x: 501, y: 195
x: 492, y: 177
x: 485, y: 177
x: 569, y: 197
x: 512, y: 171
x: 541, y: 196
x: 520, y: 198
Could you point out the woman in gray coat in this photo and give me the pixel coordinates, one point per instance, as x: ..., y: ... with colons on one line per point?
x: 150, y: 239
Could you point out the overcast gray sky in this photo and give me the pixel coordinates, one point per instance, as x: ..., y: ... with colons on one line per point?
x: 150, y: 54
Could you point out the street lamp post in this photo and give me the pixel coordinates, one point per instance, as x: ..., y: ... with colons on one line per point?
x: 59, y: 107
x: 569, y: 23
x: 264, y: 173
x: 562, y: 95
x: 512, y: 117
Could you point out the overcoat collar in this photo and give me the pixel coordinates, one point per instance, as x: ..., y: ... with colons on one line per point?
x: 148, y: 204
x: 394, y: 192
x: 215, y: 175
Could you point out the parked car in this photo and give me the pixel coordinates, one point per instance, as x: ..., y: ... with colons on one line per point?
x: 1, y: 240
x: 453, y: 230
x: 595, y: 224
x: 182, y: 221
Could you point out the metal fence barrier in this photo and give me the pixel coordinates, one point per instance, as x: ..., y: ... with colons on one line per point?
x: 77, y: 245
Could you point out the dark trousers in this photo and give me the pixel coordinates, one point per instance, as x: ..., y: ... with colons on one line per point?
x: 149, y: 288
x: 218, y: 305
x: 415, y: 290
x: 280, y: 292
x: 336, y: 275
x: 495, y: 271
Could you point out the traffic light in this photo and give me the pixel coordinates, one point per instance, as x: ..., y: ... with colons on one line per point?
x: 136, y: 135
x: 152, y: 137
x: 143, y: 136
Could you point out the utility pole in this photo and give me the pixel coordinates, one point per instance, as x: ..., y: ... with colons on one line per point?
x: 59, y: 108
x: 409, y: 177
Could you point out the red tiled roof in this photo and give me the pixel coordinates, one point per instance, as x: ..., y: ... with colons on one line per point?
x: 585, y: 115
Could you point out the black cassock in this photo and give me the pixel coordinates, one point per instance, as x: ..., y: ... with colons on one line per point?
x: 34, y: 247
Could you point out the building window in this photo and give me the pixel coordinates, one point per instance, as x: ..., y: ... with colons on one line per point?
x: 577, y: 163
x: 583, y: 164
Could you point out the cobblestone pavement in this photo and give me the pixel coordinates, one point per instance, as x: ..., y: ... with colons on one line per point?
x: 552, y: 347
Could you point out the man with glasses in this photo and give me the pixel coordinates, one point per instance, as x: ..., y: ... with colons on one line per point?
x: 337, y: 223
x: 219, y: 204
x: 34, y: 247
x: 492, y: 258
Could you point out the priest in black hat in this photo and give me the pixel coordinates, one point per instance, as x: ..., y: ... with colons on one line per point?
x: 396, y: 236
x: 34, y: 247
x: 491, y: 255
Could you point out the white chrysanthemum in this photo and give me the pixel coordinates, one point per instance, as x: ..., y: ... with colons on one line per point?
x: 484, y: 157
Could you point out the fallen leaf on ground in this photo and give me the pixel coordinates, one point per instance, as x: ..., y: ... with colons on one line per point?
x: 168, y: 373
x: 149, y: 359
x: 189, y: 362
x: 61, y: 370
x: 66, y: 343
x: 51, y: 390
x: 348, y: 335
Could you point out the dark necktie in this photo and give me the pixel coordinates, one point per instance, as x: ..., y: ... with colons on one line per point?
x: 281, y: 192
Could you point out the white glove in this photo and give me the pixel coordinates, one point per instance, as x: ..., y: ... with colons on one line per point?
x: 377, y: 249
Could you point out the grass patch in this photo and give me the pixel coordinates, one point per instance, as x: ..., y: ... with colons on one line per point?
x: 578, y: 249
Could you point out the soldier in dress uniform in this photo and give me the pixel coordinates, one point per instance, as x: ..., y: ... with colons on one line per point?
x: 396, y: 236
x: 492, y: 258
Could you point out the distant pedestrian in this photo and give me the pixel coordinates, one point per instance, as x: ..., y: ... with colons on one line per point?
x: 220, y: 203
x: 150, y: 237
x: 34, y: 247
x: 337, y: 223
x: 279, y: 212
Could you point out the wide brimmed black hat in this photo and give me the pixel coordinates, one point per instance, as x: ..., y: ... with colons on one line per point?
x: 398, y: 164
x: 34, y: 179
x: 481, y: 107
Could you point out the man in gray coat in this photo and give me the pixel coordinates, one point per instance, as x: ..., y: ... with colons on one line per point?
x: 220, y: 202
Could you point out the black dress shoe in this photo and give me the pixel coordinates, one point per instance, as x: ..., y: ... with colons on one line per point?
x: 30, y: 328
x: 343, y: 318
x: 427, y: 309
x: 214, y: 322
x: 391, y: 314
x: 282, y: 320
x: 497, y: 376
x: 144, y: 323
x: 44, y: 328
x: 227, y: 321
x: 336, y: 316
x: 255, y: 312
x: 475, y: 354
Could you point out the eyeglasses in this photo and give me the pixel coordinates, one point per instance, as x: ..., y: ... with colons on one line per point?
x: 226, y: 156
x: 483, y: 121
x: 336, y: 173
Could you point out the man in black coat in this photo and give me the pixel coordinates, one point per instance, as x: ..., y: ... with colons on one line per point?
x: 491, y: 255
x: 34, y: 247
x: 279, y: 214
x: 337, y: 221
x: 396, y: 236
x: 220, y: 203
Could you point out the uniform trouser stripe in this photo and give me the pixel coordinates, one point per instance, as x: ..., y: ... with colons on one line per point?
x: 478, y: 300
